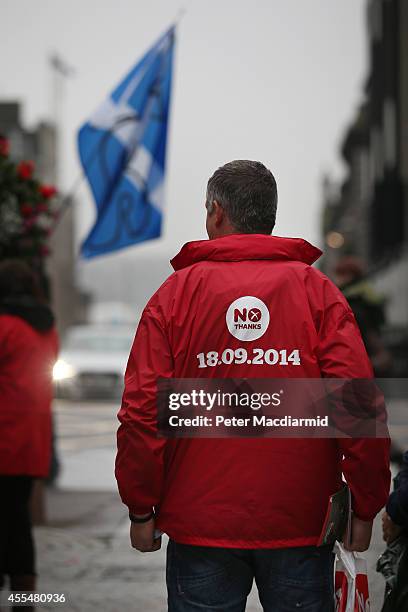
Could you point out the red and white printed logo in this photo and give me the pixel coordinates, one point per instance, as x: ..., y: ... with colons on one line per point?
x: 247, y: 318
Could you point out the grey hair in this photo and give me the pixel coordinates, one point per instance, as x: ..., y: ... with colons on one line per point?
x: 247, y: 192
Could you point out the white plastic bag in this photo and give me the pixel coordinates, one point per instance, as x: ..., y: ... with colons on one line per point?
x: 351, y: 581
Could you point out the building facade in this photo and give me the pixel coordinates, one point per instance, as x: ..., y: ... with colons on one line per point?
x: 367, y: 215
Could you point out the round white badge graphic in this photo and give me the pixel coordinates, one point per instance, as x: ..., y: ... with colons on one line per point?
x: 247, y: 318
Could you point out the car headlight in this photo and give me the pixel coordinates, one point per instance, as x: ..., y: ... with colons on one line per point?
x: 62, y: 370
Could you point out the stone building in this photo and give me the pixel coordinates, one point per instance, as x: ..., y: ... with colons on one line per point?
x: 367, y: 214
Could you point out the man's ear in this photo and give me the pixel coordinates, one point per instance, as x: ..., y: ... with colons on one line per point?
x: 219, y: 213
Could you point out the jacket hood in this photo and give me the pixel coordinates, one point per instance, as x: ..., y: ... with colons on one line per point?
x: 240, y: 247
x: 36, y: 314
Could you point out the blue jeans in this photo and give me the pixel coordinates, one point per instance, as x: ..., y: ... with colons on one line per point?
x: 288, y: 579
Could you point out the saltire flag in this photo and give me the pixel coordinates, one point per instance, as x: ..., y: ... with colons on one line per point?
x: 122, y: 149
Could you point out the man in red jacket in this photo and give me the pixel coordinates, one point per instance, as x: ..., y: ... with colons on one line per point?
x: 238, y: 508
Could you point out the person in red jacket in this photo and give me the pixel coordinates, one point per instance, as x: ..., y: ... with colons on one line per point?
x: 28, y: 351
x: 238, y: 508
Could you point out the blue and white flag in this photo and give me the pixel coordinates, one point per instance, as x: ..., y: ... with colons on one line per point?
x: 123, y: 152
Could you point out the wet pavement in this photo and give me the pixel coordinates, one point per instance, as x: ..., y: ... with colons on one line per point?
x: 84, y: 552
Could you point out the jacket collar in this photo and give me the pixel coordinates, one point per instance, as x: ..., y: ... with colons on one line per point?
x: 240, y: 247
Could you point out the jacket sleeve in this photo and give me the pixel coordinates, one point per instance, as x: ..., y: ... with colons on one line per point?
x: 397, y: 506
x: 139, y: 459
x: 341, y: 354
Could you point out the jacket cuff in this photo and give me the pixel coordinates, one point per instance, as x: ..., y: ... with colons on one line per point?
x: 366, y: 512
x: 366, y: 518
x: 140, y: 510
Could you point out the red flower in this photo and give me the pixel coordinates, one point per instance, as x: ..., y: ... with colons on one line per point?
x: 42, y: 207
x: 28, y: 223
x: 27, y: 210
x: 44, y: 250
x: 47, y: 191
x: 25, y: 169
x: 4, y: 146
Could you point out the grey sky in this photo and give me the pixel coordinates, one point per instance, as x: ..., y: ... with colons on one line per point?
x: 274, y: 80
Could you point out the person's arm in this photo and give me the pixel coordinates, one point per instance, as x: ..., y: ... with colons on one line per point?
x: 365, y: 462
x: 139, y: 460
x: 397, y: 505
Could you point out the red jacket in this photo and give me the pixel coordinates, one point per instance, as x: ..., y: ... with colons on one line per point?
x: 26, y: 360
x: 235, y: 492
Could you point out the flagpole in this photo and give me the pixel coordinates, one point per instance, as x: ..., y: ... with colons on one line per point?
x: 67, y: 199
x: 183, y: 10
x: 181, y: 13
